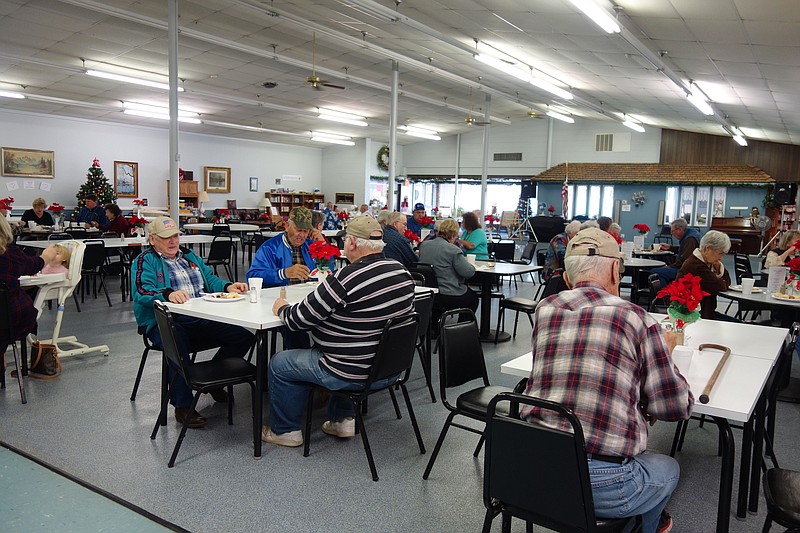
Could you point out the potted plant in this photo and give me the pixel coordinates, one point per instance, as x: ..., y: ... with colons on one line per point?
x: 685, y: 296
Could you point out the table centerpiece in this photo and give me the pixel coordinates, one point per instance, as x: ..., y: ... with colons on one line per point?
x: 323, y: 255
x: 685, y: 296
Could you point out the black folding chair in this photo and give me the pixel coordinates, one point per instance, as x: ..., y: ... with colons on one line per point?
x: 423, y: 305
x: 93, y: 268
x: 219, y: 254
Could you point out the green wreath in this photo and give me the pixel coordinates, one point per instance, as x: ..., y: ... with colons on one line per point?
x: 383, y: 158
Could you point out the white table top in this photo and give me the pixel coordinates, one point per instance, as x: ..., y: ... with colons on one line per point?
x: 41, y: 279
x: 762, y: 297
x: 651, y: 253
x: 326, y: 232
x: 505, y: 269
x: 123, y: 243
x: 643, y: 263
x: 206, y: 226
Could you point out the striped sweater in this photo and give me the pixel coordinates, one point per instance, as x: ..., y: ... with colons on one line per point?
x: 347, y: 313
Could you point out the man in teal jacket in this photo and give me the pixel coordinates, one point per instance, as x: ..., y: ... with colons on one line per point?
x: 169, y: 273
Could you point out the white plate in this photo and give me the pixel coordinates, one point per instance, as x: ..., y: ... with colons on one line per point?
x: 781, y: 296
x: 215, y: 297
x: 738, y: 288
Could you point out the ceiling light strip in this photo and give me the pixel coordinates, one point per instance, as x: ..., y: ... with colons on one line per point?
x: 11, y: 94
x: 598, y: 15
x: 129, y: 79
x: 635, y: 126
x: 559, y: 116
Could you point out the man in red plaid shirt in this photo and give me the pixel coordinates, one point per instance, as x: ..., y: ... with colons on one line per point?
x: 609, y: 361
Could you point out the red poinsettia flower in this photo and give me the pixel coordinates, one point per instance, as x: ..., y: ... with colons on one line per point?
x: 343, y: 215
x: 552, y: 208
x: 642, y: 228
x: 55, y: 207
x: 684, y: 292
x: 137, y: 222
x: 223, y: 212
x: 491, y: 219
x: 426, y: 222
x: 322, y: 250
x: 5, y: 203
x: 411, y: 236
x: 138, y: 202
x: 794, y: 264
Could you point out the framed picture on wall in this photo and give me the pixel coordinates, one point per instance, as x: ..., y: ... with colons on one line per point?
x: 218, y: 179
x: 25, y: 163
x: 253, y: 184
x: 126, y: 179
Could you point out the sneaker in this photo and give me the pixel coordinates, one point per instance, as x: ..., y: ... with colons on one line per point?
x: 290, y: 438
x: 344, y: 428
x: 664, y: 523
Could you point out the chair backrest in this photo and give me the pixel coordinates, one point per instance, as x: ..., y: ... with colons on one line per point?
x: 534, y: 472
x: 77, y: 233
x: 423, y: 306
x: 59, y: 236
x: 541, y: 258
x: 419, y: 279
x: 555, y: 284
x: 460, y: 351
x: 220, y: 229
x: 64, y: 290
x: 95, y: 254
x: 169, y: 339
x: 742, y: 267
x: 504, y: 250
x: 654, y: 283
x: 109, y: 235
x: 396, y: 348
x: 427, y: 272
x: 221, y: 249
x: 527, y: 252
x: 5, y: 315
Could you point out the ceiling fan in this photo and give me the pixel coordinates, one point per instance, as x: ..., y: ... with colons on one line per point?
x: 469, y: 120
x: 315, y: 81
x: 534, y: 114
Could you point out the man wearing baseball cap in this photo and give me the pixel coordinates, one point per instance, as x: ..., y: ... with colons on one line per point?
x: 413, y: 222
x: 345, y: 316
x: 170, y: 273
x: 609, y: 361
x: 284, y: 259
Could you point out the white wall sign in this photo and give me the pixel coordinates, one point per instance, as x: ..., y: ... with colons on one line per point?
x: 626, y: 207
x: 292, y: 177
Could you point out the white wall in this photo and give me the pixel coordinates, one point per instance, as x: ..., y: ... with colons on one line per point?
x: 77, y: 142
x: 344, y: 169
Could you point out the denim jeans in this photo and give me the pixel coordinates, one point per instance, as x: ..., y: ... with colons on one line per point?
x: 291, y: 375
x: 642, y: 486
x: 233, y: 341
x: 665, y: 275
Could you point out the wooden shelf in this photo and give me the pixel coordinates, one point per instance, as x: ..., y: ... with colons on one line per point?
x: 284, y: 202
x: 187, y: 193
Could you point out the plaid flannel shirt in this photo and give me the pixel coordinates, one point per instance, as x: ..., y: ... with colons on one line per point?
x: 604, y: 357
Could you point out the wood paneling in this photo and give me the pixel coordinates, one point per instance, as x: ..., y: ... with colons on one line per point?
x: 780, y: 161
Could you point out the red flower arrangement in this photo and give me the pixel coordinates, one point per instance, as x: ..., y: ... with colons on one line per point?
x: 642, y: 228
x: 323, y: 254
x: 411, y: 236
x: 491, y: 219
x: 552, y: 209
x: 685, y: 295
x: 426, y: 222
x: 794, y: 273
x: 265, y: 216
x: 343, y: 215
x: 137, y: 222
x: 56, y: 208
x: 223, y: 212
x: 138, y: 202
x: 5, y: 203
x: 794, y: 263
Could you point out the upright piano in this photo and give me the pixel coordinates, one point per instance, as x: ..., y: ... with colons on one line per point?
x: 739, y: 228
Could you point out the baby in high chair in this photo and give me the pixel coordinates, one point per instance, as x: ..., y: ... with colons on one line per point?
x: 59, y: 264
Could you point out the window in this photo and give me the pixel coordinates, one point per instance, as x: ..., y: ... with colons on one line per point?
x: 696, y: 204
x: 591, y: 201
x: 671, y: 204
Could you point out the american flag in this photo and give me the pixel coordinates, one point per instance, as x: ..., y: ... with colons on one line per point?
x: 564, y: 198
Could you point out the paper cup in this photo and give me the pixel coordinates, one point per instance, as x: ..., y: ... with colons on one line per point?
x: 255, y: 283
x: 747, y: 285
x: 32, y: 224
x: 656, y: 247
x: 471, y: 259
x: 682, y: 357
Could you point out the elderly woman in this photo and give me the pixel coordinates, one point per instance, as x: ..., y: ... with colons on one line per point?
x: 451, y: 267
x: 557, y: 247
x: 473, y: 238
x: 37, y: 214
x: 785, y: 251
x: 13, y: 264
x: 397, y: 245
x: 706, y: 262
x: 116, y: 222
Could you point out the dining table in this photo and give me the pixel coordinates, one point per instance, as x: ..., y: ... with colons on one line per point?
x: 235, y: 227
x: 259, y: 318
x: 123, y: 243
x: 486, y: 272
x: 635, y: 266
x: 738, y: 396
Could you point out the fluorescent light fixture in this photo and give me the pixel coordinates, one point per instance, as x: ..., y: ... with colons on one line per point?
x: 635, y: 126
x: 424, y: 133
x: 741, y: 141
x: 333, y: 138
x: 509, y: 23
x: 130, y: 79
x: 549, y: 87
x: 525, y: 74
x: 158, y: 112
x: 11, y: 94
x: 696, y: 97
x: 344, y: 118
x: 367, y: 9
x: 559, y: 116
x: 598, y: 15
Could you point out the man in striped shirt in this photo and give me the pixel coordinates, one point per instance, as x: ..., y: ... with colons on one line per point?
x: 345, y: 315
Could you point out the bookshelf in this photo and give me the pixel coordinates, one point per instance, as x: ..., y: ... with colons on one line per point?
x: 284, y: 202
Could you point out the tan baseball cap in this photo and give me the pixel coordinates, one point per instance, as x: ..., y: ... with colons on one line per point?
x: 594, y: 241
x: 301, y: 216
x: 162, y: 227
x: 365, y: 227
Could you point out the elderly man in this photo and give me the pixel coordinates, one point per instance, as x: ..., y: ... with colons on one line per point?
x: 92, y: 212
x: 688, y: 241
x: 413, y: 221
x: 169, y: 273
x: 609, y: 361
x: 345, y: 315
x: 284, y: 259
x: 331, y: 217
x: 397, y: 245
x: 557, y: 247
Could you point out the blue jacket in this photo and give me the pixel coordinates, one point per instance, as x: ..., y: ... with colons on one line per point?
x: 273, y: 258
x: 413, y: 225
x: 98, y: 214
x: 397, y: 247
x: 150, y: 282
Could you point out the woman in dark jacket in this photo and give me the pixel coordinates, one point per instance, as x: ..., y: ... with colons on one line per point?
x: 706, y: 262
x: 116, y: 222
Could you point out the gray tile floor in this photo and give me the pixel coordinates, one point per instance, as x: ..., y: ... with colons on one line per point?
x: 85, y: 424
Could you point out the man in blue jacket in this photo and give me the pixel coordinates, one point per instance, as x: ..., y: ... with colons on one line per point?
x: 92, y: 212
x: 169, y: 273
x: 284, y: 259
x: 688, y: 241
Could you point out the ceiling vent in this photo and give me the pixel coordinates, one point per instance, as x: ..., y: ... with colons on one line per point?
x: 510, y: 156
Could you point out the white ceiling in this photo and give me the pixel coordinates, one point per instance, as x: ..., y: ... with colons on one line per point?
x: 745, y: 54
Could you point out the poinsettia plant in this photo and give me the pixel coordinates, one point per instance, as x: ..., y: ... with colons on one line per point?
x: 137, y: 222
x: 552, y: 209
x: 56, y: 208
x: 6, y: 203
x: 344, y: 215
x: 642, y: 228
x: 411, y: 236
x: 490, y: 219
x: 323, y: 254
x: 138, y: 202
x: 794, y: 264
x: 793, y: 279
x: 685, y: 296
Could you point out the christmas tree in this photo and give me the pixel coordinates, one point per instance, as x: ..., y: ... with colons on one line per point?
x: 97, y: 184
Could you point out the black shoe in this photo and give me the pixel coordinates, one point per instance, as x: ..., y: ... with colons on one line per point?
x: 195, y: 419
x: 219, y: 395
x: 664, y: 523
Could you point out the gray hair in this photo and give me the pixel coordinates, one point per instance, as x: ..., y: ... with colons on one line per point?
x: 615, y: 227
x: 368, y: 245
x: 590, y: 224
x: 717, y: 241
x: 383, y: 217
x: 393, y: 217
x: 573, y: 227
x: 679, y: 223
x: 585, y: 267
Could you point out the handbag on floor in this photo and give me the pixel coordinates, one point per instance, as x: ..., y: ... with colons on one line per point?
x: 44, y: 361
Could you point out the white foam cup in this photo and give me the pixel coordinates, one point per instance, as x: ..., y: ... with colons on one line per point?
x: 682, y: 357
x: 747, y: 285
x: 471, y: 259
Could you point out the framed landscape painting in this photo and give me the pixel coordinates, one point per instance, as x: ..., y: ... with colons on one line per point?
x: 25, y: 163
x: 218, y: 179
x: 126, y: 179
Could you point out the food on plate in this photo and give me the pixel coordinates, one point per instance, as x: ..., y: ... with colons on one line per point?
x: 226, y: 295
x: 786, y: 296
